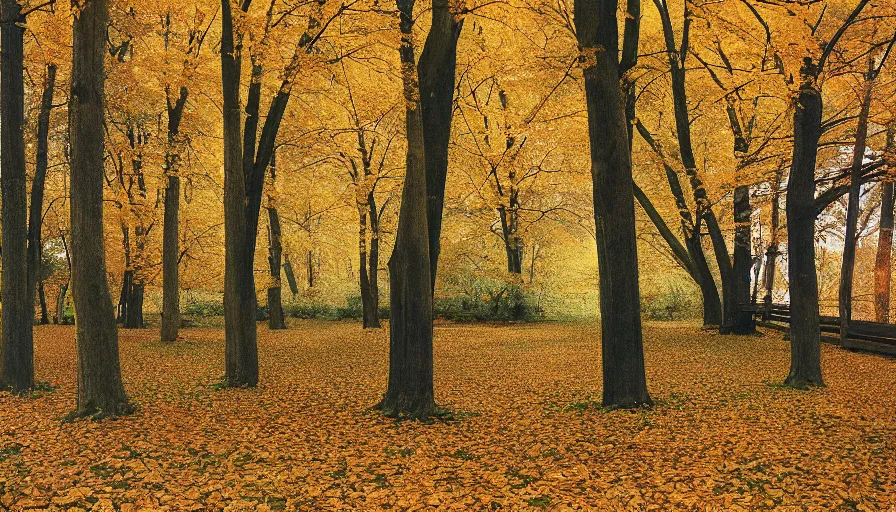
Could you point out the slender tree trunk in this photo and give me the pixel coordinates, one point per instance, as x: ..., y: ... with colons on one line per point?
x: 35, y: 213
x: 241, y: 353
x: 686, y: 149
x: 771, y: 255
x: 17, y: 351
x: 851, y: 240
x: 374, y: 265
x: 437, y: 71
x: 171, y: 228
x: 364, y: 277
x: 883, y: 267
x: 275, y: 257
x: 127, y: 278
x: 712, y: 303
x: 805, y: 331
x: 410, y: 389
x: 311, y: 268
x: 290, y: 276
x: 100, y: 389
x: 42, y: 298
x: 59, y: 319
x: 611, y: 169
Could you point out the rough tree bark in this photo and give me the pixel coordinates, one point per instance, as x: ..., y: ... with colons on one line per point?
x: 241, y: 352
x: 437, y: 71
x: 171, y: 224
x: 36, y: 209
x: 851, y: 240
x: 805, y: 332
x: 100, y: 389
x: 17, y: 350
x: 410, y: 388
x: 883, y: 267
x: 611, y: 169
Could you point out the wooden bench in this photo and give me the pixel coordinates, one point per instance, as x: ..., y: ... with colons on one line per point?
x: 869, y: 336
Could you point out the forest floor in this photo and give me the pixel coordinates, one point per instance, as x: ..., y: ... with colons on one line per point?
x: 528, y: 432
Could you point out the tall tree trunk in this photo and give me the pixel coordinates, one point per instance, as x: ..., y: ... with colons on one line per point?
x: 771, y: 255
x: 883, y: 267
x: 611, y: 169
x: 373, y: 260
x: 742, y: 323
x: 36, y: 209
x: 363, y: 275
x: 683, y: 130
x: 410, y: 388
x: 370, y: 258
x: 437, y: 71
x: 100, y: 389
x: 851, y: 240
x: 17, y: 351
x: 171, y: 227
x: 275, y: 257
x: 805, y: 331
x: 241, y: 353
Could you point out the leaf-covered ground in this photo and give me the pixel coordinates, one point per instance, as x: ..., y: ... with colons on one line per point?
x: 527, y: 435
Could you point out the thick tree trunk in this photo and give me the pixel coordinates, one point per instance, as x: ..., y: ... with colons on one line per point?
x: 437, y: 71
x: 241, y: 353
x: 171, y: 227
x: 611, y: 169
x: 17, y: 350
x: 410, y: 389
x: 36, y: 209
x: 100, y: 389
x: 883, y: 267
x: 805, y: 332
x: 851, y: 240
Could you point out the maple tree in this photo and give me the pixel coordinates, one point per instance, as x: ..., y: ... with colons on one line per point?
x: 485, y: 150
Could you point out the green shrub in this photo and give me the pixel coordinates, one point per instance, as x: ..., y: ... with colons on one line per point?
x: 203, y: 307
x: 485, y: 302
x: 672, y: 304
